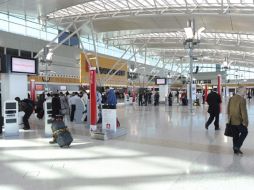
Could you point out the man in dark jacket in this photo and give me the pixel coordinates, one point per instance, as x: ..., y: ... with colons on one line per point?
x: 56, y: 105
x: 213, y: 100
x: 26, y: 106
x: 111, y: 99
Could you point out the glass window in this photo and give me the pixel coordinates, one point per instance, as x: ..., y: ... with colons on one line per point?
x: 3, y: 25
x: 33, y: 25
x: 34, y: 54
x: 43, y: 35
x: 33, y: 32
x: 51, y: 36
x: 25, y: 54
x: 14, y: 52
x: 16, y: 28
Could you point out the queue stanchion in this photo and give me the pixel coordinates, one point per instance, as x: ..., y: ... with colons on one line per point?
x: 48, y: 117
x: 11, y: 127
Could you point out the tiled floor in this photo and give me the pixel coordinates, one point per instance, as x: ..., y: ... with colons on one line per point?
x: 166, y: 148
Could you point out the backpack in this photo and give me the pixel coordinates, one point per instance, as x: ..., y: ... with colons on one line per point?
x: 29, y: 103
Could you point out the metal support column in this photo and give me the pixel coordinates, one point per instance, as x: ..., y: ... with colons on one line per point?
x: 118, y: 61
x: 124, y: 64
x: 60, y: 34
x: 83, y: 48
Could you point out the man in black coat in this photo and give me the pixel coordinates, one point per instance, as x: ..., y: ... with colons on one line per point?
x: 213, y: 100
x: 26, y: 106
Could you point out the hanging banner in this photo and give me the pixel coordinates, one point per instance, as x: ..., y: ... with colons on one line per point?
x: 32, y: 90
x: 93, y: 106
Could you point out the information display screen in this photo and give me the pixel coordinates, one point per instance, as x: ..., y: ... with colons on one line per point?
x: 49, y: 105
x: 10, y: 105
x: 160, y: 81
x: 21, y: 65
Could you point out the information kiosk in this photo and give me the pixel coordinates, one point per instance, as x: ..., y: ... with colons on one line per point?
x: 48, y: 118
x: 11, y: 127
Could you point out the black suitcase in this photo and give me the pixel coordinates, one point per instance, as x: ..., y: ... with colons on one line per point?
x: 61, y: 134
x: 64, y: 138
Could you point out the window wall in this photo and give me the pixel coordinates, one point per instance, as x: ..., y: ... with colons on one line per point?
x: 30, y: 26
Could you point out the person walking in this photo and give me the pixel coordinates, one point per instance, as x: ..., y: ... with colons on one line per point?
x: 238, y: 118
x: 213, y: 100
x: 140, y: 99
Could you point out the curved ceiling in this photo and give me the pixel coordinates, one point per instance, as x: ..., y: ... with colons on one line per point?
x: 157, y: 24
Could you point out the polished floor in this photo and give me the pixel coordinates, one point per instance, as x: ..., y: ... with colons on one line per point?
x: 166, y: 148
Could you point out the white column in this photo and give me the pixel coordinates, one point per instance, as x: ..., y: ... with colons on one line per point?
x: 13, y: 85
x: 163, y: 91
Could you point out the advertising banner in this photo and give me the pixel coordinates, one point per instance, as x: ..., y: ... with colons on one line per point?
x: 109, y: 119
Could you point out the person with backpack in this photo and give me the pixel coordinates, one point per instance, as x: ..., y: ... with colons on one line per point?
x: 111, y: 98
x: 26, y: 106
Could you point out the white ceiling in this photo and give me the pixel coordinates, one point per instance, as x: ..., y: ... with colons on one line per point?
x: 157, y: 23
x: 36, y: 8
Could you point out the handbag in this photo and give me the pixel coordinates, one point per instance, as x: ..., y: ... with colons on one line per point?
x: 229, y: 130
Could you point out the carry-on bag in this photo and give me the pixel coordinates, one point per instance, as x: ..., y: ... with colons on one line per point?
x: 63, y: 137
x: 61, y: 134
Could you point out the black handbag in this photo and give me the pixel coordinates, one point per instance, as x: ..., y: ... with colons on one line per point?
x: 229, y: 130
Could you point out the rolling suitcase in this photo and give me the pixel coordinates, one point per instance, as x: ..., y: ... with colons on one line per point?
x: 64, y: 138
x: 61, y: 134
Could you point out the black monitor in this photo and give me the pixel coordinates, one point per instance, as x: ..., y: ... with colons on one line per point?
x: 23, y: 65
x: 10, y: 105
x: 160, y: 81
x: 49, y: 105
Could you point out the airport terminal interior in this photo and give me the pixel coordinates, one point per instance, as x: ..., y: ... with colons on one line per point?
x: 114, y: 94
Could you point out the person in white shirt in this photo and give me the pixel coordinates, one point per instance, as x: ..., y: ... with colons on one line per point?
x: 72, y: 103
x: 84, y: 100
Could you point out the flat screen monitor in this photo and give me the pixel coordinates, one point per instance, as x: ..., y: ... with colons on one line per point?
x: 49, y: 105
x: 21, y: 65
x: 10, y: 105
x: 63, y: 88
x: 160, y: 81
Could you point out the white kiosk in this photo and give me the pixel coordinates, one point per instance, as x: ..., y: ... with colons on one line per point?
x: 11, y: 127
x: 109, y: 128
x: 48, y: 117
